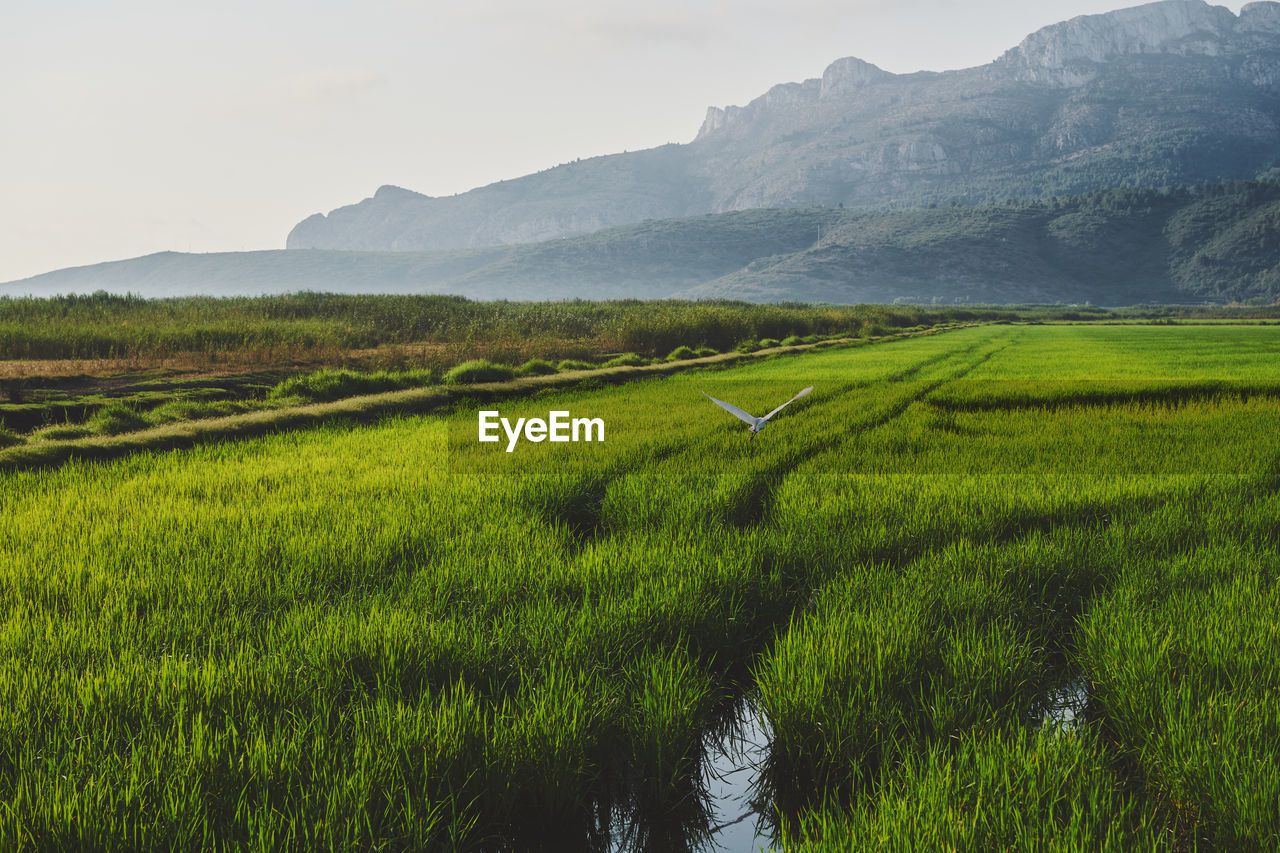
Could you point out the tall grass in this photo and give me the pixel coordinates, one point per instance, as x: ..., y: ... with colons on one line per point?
x: 275, y: 329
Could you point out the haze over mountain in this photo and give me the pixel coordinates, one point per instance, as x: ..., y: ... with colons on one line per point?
x: 1087, y: 163
x: 1169, y: 93
x: 1218, y: 244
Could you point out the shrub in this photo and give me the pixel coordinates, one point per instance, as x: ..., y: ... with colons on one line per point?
x: 573, y: 364
x: 704, y: 351
x: 536, y: 367
x: 8, y: 438
x: 746, y: 346
x: 792, y: 341
x: 627, y: 359
x: 116, y: 418
x: 479, y: 370
x: 768, y: 343
x: 681, y: 353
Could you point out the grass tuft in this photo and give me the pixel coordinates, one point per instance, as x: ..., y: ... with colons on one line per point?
x: 681, y: 353
x: 627, y: 359
x: 536, y: 367
x: 116, y: 418
x: 478, y: 371
x: 328, y: 384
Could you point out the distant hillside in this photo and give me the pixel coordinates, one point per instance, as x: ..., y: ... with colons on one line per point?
x: 648, y: 260
x: 1121, y: 247
x: 1170, y: 93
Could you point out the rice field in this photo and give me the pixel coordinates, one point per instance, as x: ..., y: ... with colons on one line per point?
x: 1007, y: 587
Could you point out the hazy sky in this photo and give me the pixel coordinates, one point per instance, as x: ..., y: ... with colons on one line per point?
x: 132, y: 126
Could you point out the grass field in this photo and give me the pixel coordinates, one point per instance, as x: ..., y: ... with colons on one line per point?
x: 394, y: 637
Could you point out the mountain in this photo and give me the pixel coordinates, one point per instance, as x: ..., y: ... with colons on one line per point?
x: 648, y: 260
x: 1119, y: 247
x: 1170, y: 93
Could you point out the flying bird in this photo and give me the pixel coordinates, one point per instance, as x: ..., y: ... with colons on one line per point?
x: 756, y: 424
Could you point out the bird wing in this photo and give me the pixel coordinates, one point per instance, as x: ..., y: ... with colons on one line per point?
x: 732, y: 409
x: 788, y: 403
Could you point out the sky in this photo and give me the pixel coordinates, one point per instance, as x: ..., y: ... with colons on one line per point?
x: 139, y: 126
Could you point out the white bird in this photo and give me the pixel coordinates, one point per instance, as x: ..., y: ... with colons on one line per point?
x: 755, y: 423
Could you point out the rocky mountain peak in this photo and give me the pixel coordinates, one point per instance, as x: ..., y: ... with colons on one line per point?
x: 849, y: 74
x: 1260, y: 17
x: 1063, y: 53
x: 842, y: 77
x: 390, y: 192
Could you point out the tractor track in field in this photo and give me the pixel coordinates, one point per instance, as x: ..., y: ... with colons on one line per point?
x: 915, y: 369
x: 752, y: 505
x: 1085, y: 397
x: 577, y: 503
x: 1061, y: 591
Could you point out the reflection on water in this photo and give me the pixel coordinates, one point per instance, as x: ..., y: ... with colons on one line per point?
x: 714, y: 813
x: 730, y: 776
x: 1063, y: 705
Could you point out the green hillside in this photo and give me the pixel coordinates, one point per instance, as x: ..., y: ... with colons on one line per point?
x: 1121, y: 247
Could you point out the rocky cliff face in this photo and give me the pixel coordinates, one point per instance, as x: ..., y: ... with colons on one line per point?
x: 1166, y: 93
x: 842, y: 77
x: 1071, y: 53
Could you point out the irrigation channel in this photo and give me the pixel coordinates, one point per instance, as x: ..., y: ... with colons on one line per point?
x: 730, y: 814
x: 731, y: 811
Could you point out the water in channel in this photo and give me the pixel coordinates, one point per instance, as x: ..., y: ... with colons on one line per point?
x: 728, y: 816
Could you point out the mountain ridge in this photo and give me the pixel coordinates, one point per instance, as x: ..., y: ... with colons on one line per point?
x: 1120, y: 247
x: 1167, y: 93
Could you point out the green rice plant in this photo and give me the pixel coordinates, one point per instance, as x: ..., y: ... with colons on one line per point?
x: 1182, y: 663
x: 673, y: 700
x: 478, y: 371
x: 1037, y: 790
x: 704, y: 351
x: 792, y: 341
x: 573, y: 364
x: 9, y: 438
x: 768, y: 343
